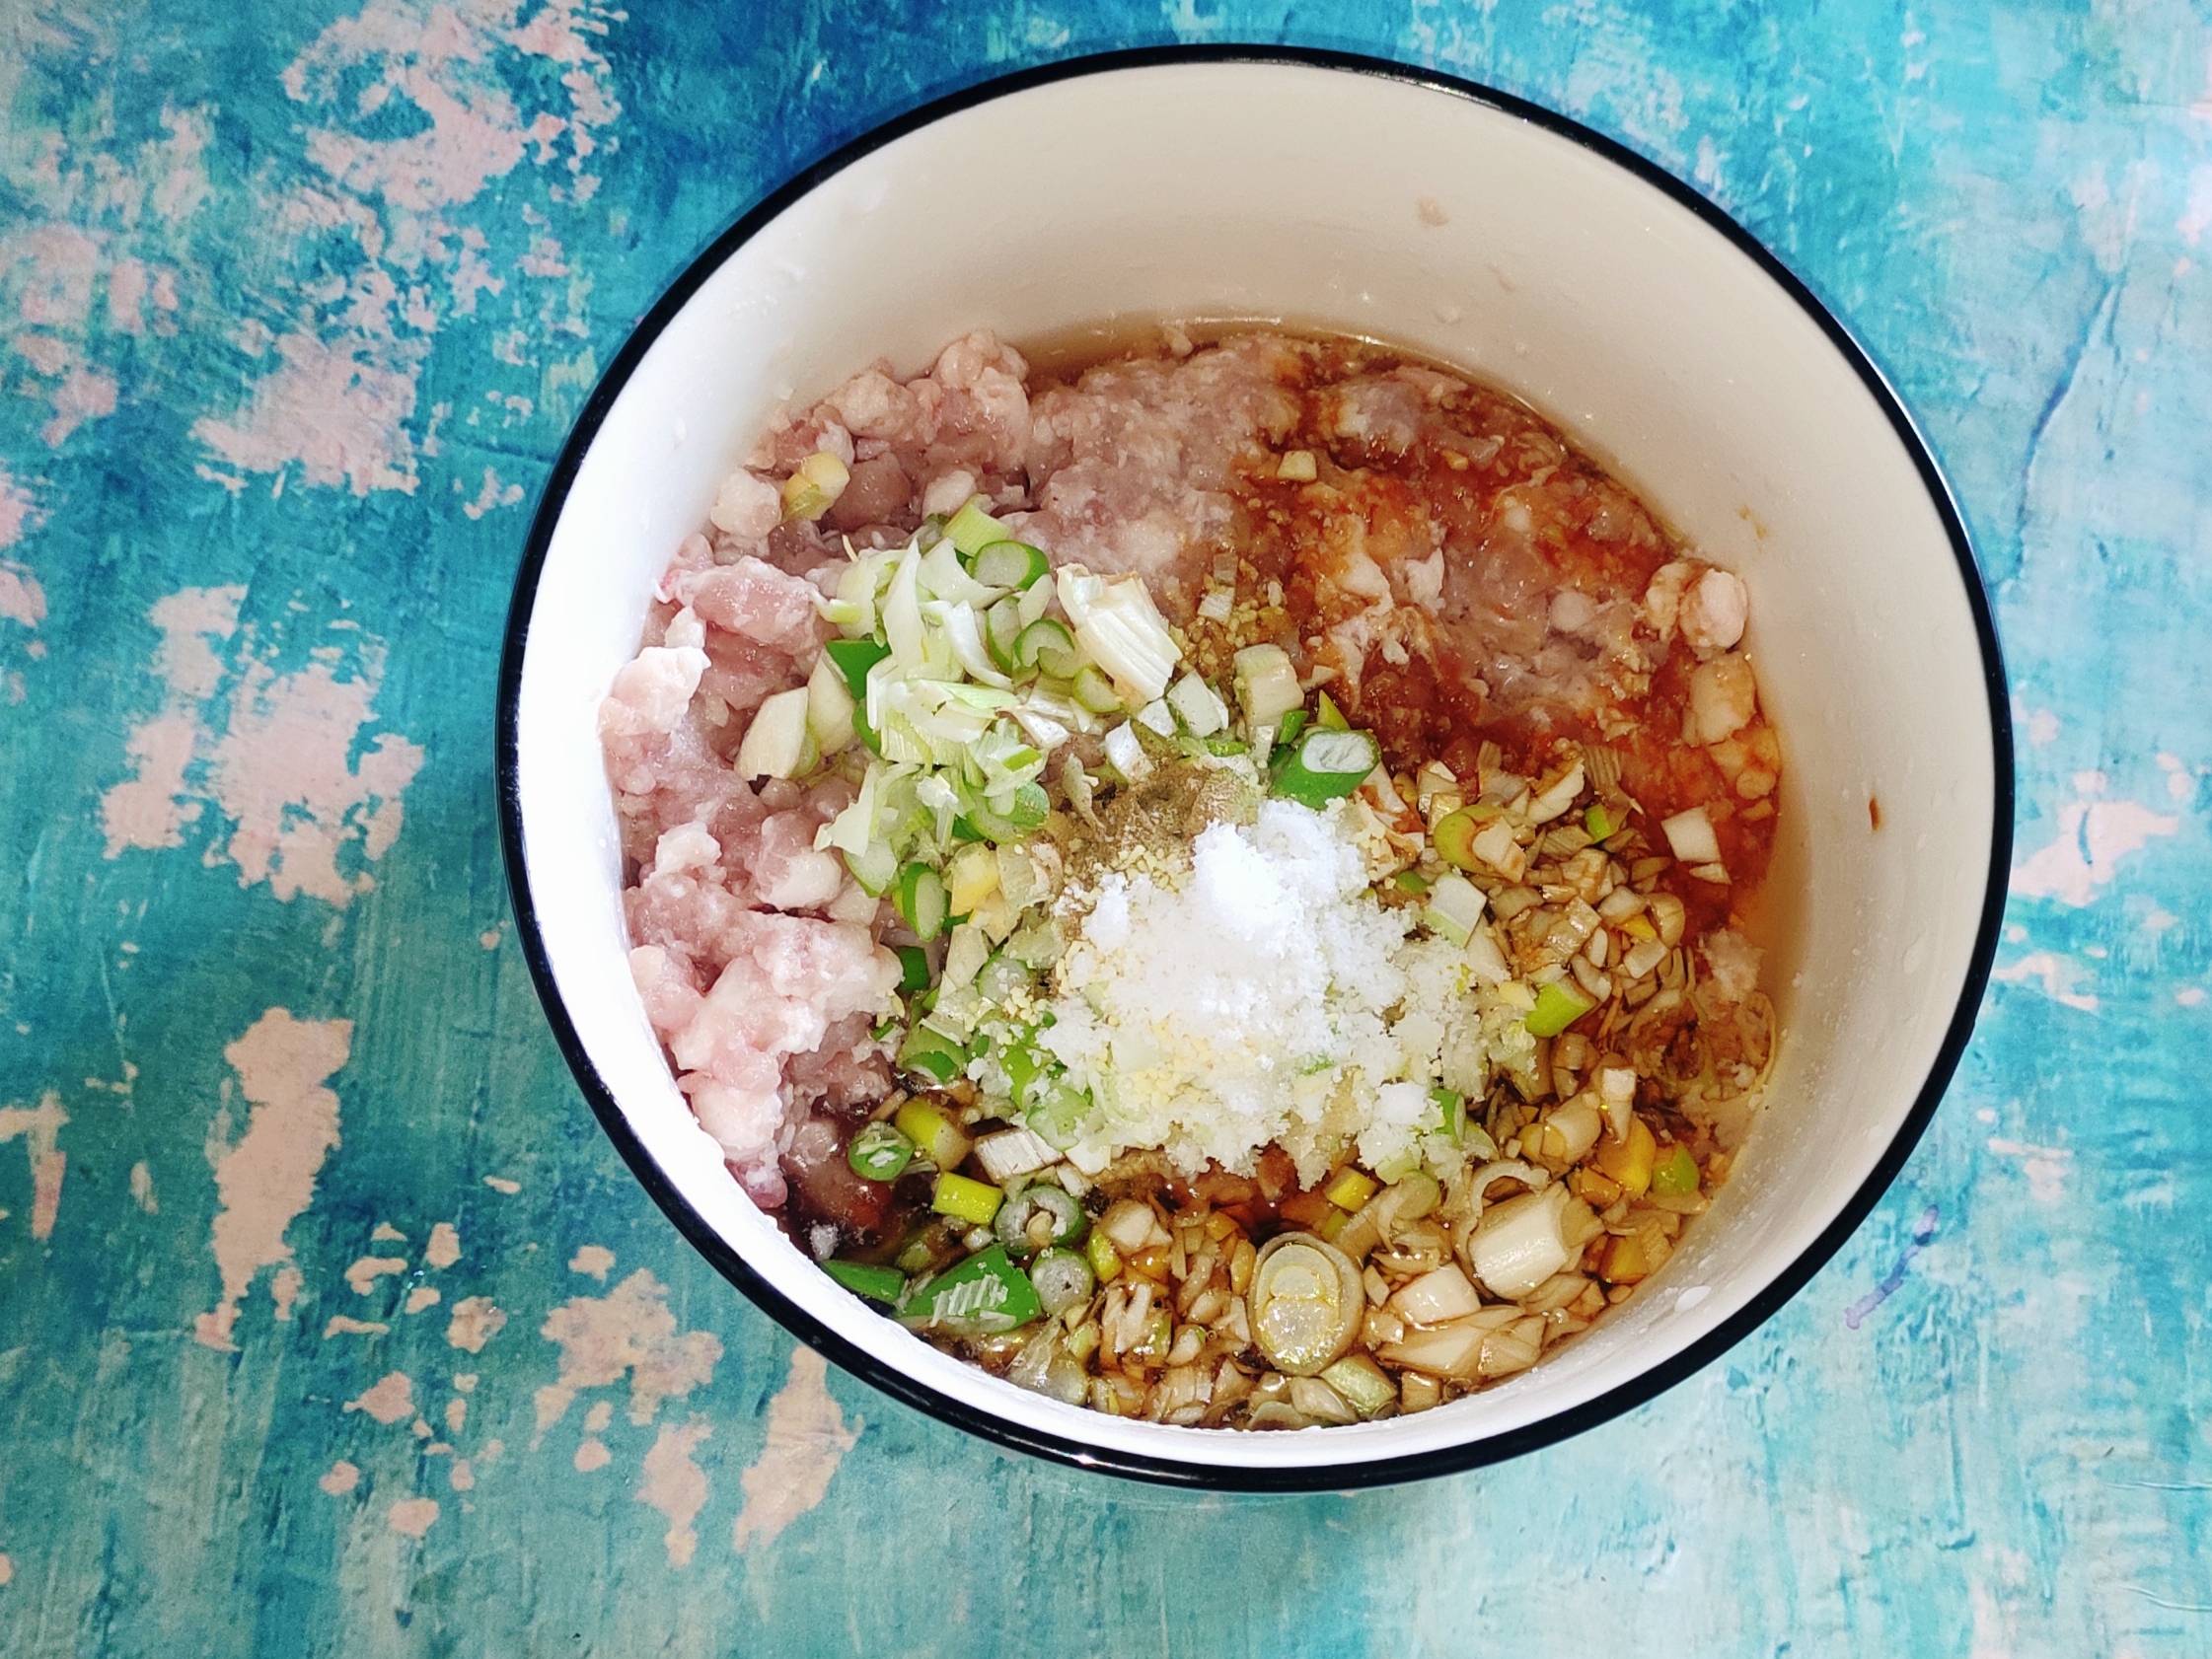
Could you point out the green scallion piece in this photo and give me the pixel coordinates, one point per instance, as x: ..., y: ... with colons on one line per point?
x: 1047, y: 646
x: 1063, y: 1279
x: 1409, y: 881
x: 920, y: 901
x: 1328, y: 716
x: 986, y: 1295
x: 853, y: 658
x: 879, y: 1152
x: 1007, y: 564
x: 1451, y: 1113
x: 1325, y: 766
x: 863, y: 1279
x: 1454, y: 838
x: 935, y: 1056
x: 914, y: 969
x: 966, y: 1200
x: 1002, y: 626
x: 1558, y: 1006
x: 973, y: 529
x: 1294, y: 723
x: 1040, y: 1215
x: 1600, y: 823
x: 1676, y: 1174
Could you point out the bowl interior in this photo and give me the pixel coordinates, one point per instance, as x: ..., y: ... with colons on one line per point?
x: 1505, y: 246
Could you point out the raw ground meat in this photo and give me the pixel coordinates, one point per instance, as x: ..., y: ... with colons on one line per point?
x: 1437, y: 554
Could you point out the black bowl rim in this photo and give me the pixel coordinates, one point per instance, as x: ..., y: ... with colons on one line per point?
x: 1170, y: 1471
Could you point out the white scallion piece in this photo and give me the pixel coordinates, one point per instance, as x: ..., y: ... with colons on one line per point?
x: 1690, y: 835
x: 1198, y: 706
x: 776, y: 738
x: 1125, y: 753
x: 1267, y: 684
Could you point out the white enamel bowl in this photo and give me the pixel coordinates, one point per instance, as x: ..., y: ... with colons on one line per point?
x: 1480, y: 231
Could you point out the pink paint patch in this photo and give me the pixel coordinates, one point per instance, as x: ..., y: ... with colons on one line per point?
x: 674, y: 1484
x: 148, y: 810
x: 500, y: 1184
x: 310, y: 801
x: 629, y: 1331
x: 287, y: 772
x: 84, y: 394
x: 341, y: 1479
x: 344, y: 1324
x: 266, y: 1181
x: 389, y: 1399
x: 362, y: 1275
x: 490, y: 496
x: 337, y: 410
x: 421, y: 1297
x: 19, y: 514
x: 806, y: 1441
x: 594, y: 1260
x: 412, y: 1517
x: 21, y: 600
x: 591, y: 1457
x: 39, y: 1127
x: 7, y: 1569
x: 476, y: 1321
x: 444, y: 1248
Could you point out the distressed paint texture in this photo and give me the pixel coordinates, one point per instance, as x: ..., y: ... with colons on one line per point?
x: 296, y: 304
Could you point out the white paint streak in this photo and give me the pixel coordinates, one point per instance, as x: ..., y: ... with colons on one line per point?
x: 40, y: 1128
x: 2055, y: 973
x: 674, y: 1484
x: 806, y: 1441
x: 2046, y: 1167
x: 142, y: 1189
x: 629, y: 1330
x: 266, y: 1181
x: 2093, y: 836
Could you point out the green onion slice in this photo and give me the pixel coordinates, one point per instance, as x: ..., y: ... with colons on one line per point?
x: 983, y: 1296
x: 1325, y: 766
x: 1041, y: 1214
x: 853, y: 658
x: 921, y: 900
x: 879, y: 1152
x: 1007, y: 564
x: 862, y: 1278
x: 1558, y: 1006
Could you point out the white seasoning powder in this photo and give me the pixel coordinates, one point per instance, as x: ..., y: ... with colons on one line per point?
x: 1267, y: 997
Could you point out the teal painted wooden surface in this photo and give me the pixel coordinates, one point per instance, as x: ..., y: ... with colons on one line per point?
x: 341, y: 1329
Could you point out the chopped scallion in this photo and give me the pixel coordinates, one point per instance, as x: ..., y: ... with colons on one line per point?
x: 966, y: 1200
x: 1558, y: 1006
x: 862, y: 1278
x: 879, y: 1152
x: 1325, y: 766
